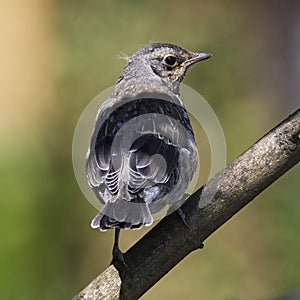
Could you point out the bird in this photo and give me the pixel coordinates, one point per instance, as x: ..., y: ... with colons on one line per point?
x: 142, y: 153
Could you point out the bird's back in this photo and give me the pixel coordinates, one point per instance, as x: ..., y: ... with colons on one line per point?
x: 142, y: 155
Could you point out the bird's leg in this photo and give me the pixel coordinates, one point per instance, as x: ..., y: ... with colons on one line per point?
x: 117, y: 253
x: 182, y: 216
x: 180, y: 211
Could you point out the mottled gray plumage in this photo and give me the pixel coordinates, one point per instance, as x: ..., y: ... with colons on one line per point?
x: 143, y: 153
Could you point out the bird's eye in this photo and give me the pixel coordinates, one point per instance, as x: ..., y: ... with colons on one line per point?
x: 170, y: 60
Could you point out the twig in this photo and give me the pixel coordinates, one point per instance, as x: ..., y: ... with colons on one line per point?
x: 206, y: 210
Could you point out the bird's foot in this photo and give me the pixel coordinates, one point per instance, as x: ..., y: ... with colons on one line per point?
x: 118, y: 256
x: 183, y: 218
x: 201, y: 246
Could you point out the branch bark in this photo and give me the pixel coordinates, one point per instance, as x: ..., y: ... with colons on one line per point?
x: 206, y: 210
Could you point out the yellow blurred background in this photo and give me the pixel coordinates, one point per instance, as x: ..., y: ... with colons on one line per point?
x: 56, y: 56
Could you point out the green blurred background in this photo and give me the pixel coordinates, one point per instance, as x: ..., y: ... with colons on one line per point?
x: 56, y: 56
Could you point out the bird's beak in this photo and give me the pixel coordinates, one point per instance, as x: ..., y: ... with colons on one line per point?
x: 197, y: 57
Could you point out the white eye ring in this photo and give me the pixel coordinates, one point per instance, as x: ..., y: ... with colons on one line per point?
x: 170, y: 60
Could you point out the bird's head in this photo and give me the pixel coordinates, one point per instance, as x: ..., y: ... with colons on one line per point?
x: 168, y: 61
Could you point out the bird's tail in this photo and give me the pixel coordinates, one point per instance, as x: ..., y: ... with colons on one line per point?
x: 123, y: 214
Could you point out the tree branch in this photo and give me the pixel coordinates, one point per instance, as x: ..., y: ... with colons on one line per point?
x: 206, y: 210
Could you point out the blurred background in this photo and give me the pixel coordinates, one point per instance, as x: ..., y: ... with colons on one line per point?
x: 56, y: 56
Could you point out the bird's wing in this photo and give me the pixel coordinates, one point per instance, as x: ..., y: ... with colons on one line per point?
x: 151, y: 166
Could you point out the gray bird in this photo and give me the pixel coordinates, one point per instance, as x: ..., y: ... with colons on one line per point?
x: 143, y: 154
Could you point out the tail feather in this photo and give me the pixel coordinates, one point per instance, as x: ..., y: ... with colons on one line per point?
x: 123, y: 214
